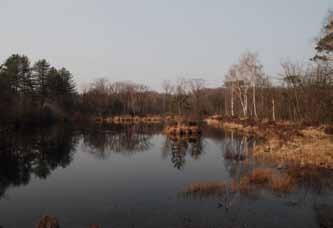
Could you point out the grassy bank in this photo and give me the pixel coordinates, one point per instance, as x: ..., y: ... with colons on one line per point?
x: 286, y: 144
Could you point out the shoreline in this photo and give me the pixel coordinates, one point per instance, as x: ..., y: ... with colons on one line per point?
x: 285, y: 144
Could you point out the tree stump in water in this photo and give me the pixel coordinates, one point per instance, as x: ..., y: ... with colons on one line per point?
x: 48, y: 222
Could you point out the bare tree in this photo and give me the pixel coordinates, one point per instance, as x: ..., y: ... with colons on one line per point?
x: 196, y: 87
x: 181, y: 96
x: 247, y: 73
x: 229, y: 84
x: 292, y: 76
x: 240, y: 86
x: 167, y: 90
x: 252, y: 71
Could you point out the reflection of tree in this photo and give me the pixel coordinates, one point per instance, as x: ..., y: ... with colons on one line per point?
x: 178, y: 147
x: 236, y: 149
x: 126, y: 139
x: 196, y: 148
x: 38, y: 153
x: 178, y: 153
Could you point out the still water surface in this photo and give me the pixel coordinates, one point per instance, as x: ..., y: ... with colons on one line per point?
x: 133, y: 176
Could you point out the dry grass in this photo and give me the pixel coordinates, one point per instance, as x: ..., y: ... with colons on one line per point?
x: 184, y: 138
x: 289, y: 144
x: 48, y: 222
x: 214, y: 121
x: 126, y: 119
x: 176, y: 118
x: 267, y: 178
x: 216, y: 188
x: 243, y: 186
x: 312, y: 132
x: 260, y: 176
x: 303, y: 152
x: 234, y: 126
x: 213, y: 188
x: 282, y: 183
x: 182, y: 129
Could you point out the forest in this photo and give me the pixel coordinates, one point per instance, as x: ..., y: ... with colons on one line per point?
x: 39, y: 93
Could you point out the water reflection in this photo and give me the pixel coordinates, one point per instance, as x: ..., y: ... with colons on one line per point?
x: 236, y: 153
x: 125, y: 139
x: 39, y: 152
x: 177, y: 147
x: 123, y: 191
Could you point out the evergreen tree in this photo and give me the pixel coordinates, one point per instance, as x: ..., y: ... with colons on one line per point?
x: 17, y: 70
x: 40, y: 72
x: 324, y: 46
x: 52, y: 80
x: 68, y: 85
x: 61, y: 87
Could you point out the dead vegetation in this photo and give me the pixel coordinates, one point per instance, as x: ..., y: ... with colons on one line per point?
x: 267, y: 178
x: 290, y: 145
x: 48, y: 222
x: 127, y: 119
x: 133, y: 119
x: 311, y: 150
x: 201, y: 190
x: 214, y: 120
x: 207, y: 188
x: 260, y: 178
x: 282, y: 183
x: 52, y: 222
x: 184, y: 138
x: 183, y: 128
x: 299, y: 153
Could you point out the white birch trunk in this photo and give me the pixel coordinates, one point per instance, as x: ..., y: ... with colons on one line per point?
x: 273, y: 109
x: 232, y: 100
x: 254, y: 101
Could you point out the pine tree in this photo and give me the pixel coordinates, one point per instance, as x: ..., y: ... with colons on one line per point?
x: 17, y: 70
x: 324, y: 46
x: 40, y: 72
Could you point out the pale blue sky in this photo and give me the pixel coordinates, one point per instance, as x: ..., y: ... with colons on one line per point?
x: 148, y: 41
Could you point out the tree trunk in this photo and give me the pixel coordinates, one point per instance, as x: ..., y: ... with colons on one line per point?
x: 254, y: 102
x: 273, y: 109
x: 225, y: 105
x: 232, y: 100
x: 245, y: 104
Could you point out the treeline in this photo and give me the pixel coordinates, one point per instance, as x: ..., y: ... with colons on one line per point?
x: 40, y: 93
x: 35, y: 93
x: 305, y: 96
x: 186, y: 97
x: 304, y: 92
x: 301, y: 93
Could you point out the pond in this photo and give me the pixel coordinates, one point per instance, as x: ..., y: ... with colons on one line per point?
x: 135, y: 176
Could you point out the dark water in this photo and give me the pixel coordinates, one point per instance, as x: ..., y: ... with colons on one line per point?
x: 133, y: 176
